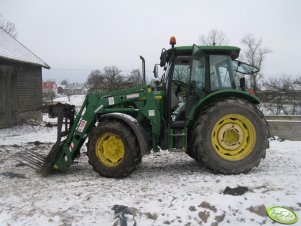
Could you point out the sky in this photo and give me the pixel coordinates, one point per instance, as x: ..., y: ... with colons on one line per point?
x: 75, y: 37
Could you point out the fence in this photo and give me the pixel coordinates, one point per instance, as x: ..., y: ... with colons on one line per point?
x: 286, y: 127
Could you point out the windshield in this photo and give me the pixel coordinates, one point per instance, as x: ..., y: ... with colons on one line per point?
x: 244, y: 68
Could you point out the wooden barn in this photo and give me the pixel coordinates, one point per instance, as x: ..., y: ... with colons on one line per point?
x: 20, y: 82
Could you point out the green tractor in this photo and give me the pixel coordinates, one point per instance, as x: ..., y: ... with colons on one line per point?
x: 200, y: 106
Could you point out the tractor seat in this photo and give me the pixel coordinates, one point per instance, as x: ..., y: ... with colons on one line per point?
x: 174, y: 101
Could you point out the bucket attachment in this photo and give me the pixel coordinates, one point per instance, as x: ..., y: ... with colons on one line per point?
x: 32, y: 159
x: 44, y: 163
x: 50, y: 159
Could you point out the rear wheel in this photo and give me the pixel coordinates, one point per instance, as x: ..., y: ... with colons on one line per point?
x: 230, y: 136
x: 113, y: 149
x: 191, y: 153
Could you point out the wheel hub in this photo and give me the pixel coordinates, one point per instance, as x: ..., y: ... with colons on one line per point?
x: 233, y: 137
x: 110, y: 149
x: 230, y: 136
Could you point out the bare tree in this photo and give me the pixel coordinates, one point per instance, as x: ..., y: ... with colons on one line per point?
x: 281, y: 95
x: 214, y: 37
x: 108, y: 80
x: 95, y: 81
x: 113, y: 78
x: 254, y: 54
x: 298, y: 87
x: 134, y: 78
x: 8, y: 26
x: 64, y: 82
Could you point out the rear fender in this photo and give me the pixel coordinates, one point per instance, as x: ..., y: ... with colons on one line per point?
x: 135, y: 126
x: 220, y: 94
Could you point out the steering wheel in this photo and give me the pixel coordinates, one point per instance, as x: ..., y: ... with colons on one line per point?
x: 179, y: 84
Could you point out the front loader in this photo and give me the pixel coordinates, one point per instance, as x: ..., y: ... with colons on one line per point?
x: 200, y: 106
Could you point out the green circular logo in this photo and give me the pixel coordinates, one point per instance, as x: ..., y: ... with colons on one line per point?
x: 282, y: 215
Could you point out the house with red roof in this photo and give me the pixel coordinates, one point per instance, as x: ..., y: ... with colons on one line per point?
x: 49, y: 86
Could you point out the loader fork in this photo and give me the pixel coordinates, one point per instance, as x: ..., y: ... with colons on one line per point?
x: 44, y: 163
x: 65, y: 118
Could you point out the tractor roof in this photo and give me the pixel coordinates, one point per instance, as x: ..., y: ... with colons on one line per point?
x: 228, y: 50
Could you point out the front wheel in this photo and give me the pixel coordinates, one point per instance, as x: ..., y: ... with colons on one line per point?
x: 230, y: 136
x: 113, y: 149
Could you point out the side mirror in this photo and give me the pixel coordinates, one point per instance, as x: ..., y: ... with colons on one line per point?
x: 155, y: 71
x: 163, y: 57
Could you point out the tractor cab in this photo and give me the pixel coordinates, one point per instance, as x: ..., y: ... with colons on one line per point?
x: 195, y: 75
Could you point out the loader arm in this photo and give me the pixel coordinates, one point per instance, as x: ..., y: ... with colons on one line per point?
x: 147, y: 102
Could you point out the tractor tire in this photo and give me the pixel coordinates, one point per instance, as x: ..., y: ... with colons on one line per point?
x: 113, y: 149
x: 189, y: 150
x: 191, y: 154
x: 230, y: 136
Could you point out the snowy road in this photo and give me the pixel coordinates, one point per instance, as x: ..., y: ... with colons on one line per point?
x: 167, y: 189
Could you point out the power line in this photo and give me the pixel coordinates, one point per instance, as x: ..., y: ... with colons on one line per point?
x: 88, y: 69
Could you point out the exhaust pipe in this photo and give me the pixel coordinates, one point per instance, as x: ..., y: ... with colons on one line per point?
x: 143, y: 68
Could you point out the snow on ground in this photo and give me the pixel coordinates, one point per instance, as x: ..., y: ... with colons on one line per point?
x: 76, y: 100
x: 21, y: 135
x: 168, y: 188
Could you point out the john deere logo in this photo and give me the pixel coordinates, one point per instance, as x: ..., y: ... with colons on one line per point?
x: 282, y: 215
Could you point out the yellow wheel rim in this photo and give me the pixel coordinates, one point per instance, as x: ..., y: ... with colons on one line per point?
x: 110, y: 149
x: 233, y: 137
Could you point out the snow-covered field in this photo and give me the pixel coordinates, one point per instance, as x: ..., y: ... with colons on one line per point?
x: 76, y: 100
x: 168, y: 188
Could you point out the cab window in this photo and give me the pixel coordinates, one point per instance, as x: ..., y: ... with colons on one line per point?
x: 198, y: 73
x: 221, y: 72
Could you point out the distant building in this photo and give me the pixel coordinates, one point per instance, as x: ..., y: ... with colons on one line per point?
x: 20, y: 82
x: 60, y: 89
x: 75, y: 89
x: 50, y: 86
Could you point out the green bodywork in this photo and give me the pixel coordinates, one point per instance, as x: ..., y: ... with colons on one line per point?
x: 142, y: 103
x: 150, y: 107
x: 224, y: 93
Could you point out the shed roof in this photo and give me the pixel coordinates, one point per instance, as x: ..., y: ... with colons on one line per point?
x: 12, y: 49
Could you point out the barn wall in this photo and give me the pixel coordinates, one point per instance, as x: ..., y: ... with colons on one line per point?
x: 8, y: 101
x: 29, y: 88
x: 20, y: 93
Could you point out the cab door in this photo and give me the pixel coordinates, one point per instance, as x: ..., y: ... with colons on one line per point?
x: 186, y: 84
x: 199, y: 83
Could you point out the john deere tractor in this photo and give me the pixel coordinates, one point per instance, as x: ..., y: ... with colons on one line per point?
x: 200, y: 106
